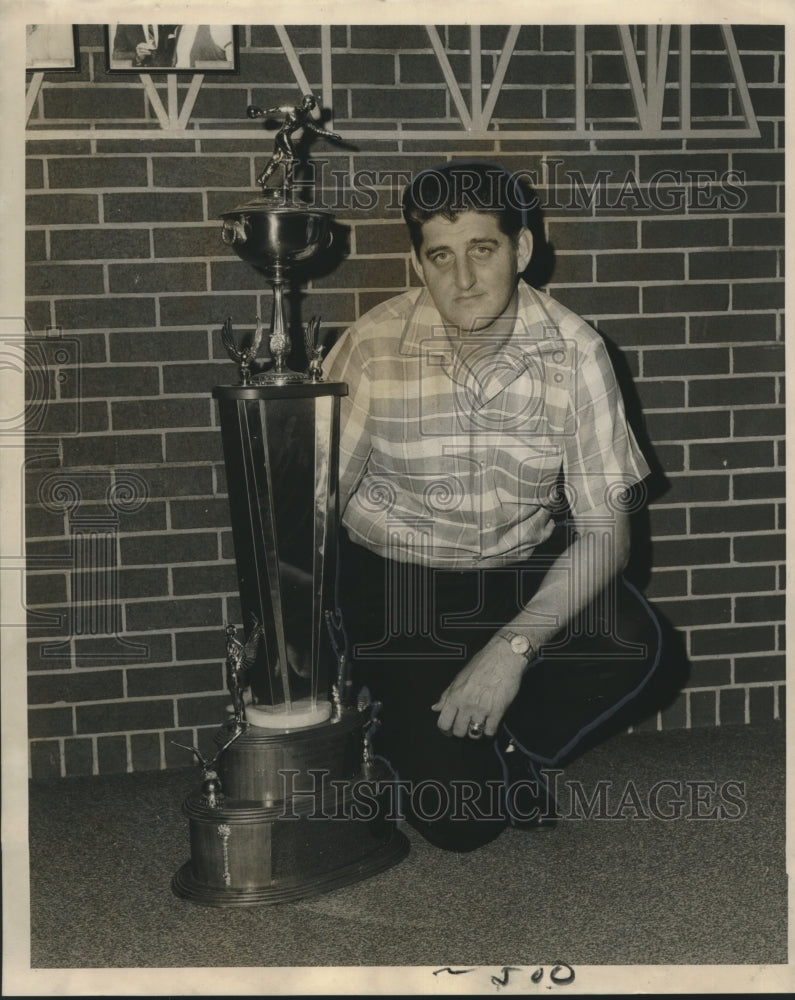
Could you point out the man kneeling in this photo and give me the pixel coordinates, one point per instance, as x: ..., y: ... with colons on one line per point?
x: 487, y: 473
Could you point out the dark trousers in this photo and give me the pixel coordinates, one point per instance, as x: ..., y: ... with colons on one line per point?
x: 411, y: 629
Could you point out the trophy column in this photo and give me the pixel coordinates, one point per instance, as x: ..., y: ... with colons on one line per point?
x: 280, y: 448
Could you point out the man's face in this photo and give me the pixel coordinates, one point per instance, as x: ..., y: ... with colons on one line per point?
x: 470, y: 268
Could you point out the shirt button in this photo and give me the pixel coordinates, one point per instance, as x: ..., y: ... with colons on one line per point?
x: 558, y: 357
x: 558, y: 377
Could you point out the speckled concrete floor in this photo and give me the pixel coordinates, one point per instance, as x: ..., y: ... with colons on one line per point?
x: 618, y: 891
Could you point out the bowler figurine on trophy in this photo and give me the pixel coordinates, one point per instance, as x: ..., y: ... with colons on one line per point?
x: 296, y: 119
x: 255, y: 842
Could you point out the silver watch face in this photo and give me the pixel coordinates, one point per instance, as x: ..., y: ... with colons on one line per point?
x: 520, y: 644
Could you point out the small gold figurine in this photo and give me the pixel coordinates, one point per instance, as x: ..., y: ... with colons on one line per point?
x: 314, y: 349
x: 239, y: 659
x: 244, y: 356
x: 296, y: 118
x: 211, y: 793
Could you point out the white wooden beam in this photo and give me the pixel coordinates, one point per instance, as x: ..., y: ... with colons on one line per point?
x: 327, y: 87
x: 34, y: 134
x: 499, y: 74
x: 649, y: 100
x: 655, y: 93
x: 172, y: 94
x: 475, y: 76
x: 739, y: 79
x: 154, y: 99
x: 294, y: 61
x: 633, y: 74
x: 684, y: 76
x: 579, y: 78
x: 32, y: 94
x: 190, y: 100
x: 449, y: 77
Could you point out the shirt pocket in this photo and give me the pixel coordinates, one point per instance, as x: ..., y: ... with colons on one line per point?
x: 525, y: 475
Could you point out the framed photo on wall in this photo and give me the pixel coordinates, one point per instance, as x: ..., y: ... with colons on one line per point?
x: 169, y: 48
x: 51, y: 46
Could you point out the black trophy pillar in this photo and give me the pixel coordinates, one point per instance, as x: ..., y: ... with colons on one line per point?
x: 280, y: 447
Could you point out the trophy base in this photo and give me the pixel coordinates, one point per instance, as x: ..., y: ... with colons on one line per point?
x: 363, y: 864
x: 302, y: 813
x: 303, y: 713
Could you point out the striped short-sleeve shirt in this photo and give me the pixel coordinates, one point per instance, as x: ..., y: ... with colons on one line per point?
x: 454, y: 451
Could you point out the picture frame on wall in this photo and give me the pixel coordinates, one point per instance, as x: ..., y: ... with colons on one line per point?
x: 171, y: 48
x: 51, y: 47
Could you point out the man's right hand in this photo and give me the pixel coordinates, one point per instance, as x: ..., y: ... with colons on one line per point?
x: 482, y: 692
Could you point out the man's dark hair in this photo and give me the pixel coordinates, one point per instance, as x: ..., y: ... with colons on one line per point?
x: 465, y: 186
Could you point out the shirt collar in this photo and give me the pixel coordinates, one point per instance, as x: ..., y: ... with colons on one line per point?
x: 532, y: 325
x: 425, y: 323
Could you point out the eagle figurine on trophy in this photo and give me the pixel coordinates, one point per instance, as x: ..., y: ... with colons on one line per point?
x: 239, y: 658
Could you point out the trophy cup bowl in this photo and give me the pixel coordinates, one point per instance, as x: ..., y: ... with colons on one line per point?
x: 274, y: 237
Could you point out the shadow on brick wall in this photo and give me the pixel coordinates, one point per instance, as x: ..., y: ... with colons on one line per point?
x: 674, y: 670
x: 538, y: 272
x: 675, y: 667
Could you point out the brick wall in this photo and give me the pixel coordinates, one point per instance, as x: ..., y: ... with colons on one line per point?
x: 131, y: 572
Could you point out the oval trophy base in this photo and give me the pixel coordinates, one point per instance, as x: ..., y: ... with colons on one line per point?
x: 185, y: 885
x: 301, y: 813
x: 303, y: 713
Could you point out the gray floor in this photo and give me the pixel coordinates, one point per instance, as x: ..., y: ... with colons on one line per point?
x: 619, y: 891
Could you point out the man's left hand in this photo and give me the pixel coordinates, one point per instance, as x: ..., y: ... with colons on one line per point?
x: 482, y: 692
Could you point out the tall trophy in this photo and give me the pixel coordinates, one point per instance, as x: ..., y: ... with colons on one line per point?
x: 293, y: 802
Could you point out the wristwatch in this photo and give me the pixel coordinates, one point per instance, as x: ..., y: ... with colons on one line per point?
x: 519, y: 644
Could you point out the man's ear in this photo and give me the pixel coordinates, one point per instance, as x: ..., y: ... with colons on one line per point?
x: 524, y: 249
x: 415, y: 262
